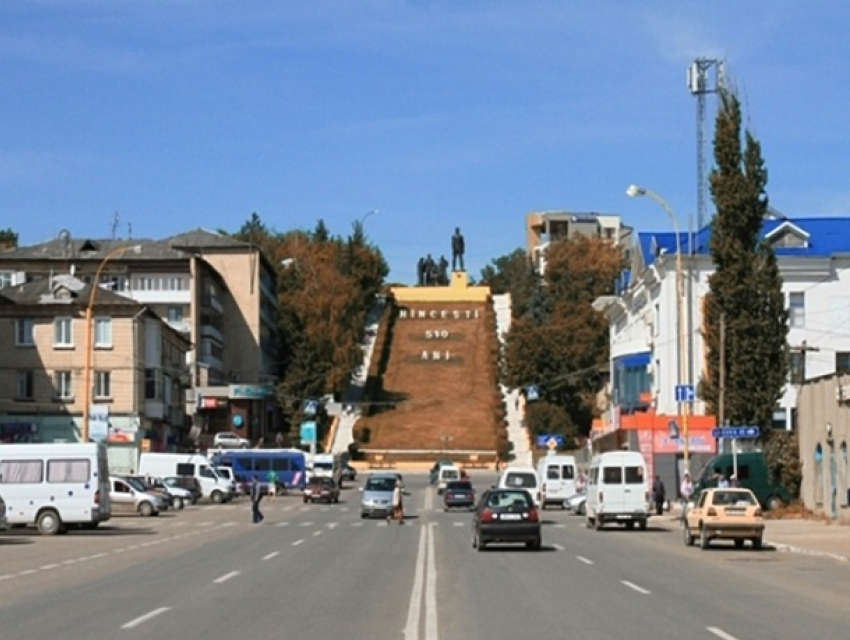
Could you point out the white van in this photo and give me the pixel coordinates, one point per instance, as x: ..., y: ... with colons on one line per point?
x: 521, y: 478
x: 557, y: 474
x: 54, y: 486
x: 328, y: 465
x: 617, y: 490
x: 195, y: 465
x: 446, y: 474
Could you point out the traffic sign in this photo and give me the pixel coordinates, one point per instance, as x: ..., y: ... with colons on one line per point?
x: 308, y: 431
x: 685, y: 393
x: 532, y: 393
x: 546, y: 440
x: 735, y: 432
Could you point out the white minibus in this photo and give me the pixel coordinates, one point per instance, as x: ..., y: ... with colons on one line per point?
x: 55, y: 486
x: 617, y: 490
x: 557, y: 475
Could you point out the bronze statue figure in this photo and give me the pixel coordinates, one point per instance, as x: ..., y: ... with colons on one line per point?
x: 457, y: 250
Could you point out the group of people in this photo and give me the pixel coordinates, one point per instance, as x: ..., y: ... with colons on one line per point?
x: 431, y: 273
x: 686, y: 489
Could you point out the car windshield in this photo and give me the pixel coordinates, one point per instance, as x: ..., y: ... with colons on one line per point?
x: 508, y: 499
x: 137, y: 484
x: 734, y: 498
x: 380, y: 484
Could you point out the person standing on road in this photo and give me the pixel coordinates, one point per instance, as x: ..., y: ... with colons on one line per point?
x: 686, y: 491
x: 256, y: 497
x: 659, y: 495
x: 398, y: 507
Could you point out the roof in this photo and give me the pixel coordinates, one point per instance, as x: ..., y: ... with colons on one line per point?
x: 62, y: 289
x: 818, y: 237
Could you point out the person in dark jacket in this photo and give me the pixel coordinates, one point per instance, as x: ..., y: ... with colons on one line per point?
x: 659, y: 495
x: 256, y: 497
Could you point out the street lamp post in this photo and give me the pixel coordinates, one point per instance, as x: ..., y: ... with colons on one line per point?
x: 635, y: 191
x: 366, y: 215
x: 87, y: 390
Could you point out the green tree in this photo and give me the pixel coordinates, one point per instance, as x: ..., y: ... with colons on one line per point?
x: 745, y: 291
x: 8, y: 239
x: 562, y: 340
x: 512, y: 273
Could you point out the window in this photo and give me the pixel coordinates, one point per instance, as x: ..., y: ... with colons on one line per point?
x: 151, y: 384
x: 62, y: 384
x: 24, y: 389
x: 102, y: 384
x: 62, y: 334
x: 21, y: 471
x: 842, y: 362
x: 634, y: 475
x: 68, y: 470
x: 551, y: 473
x: 567, y: 472
x: 175, y: 314
x: 612, y: 475
x: 797, y: 367
x: 797, y: 311
x: 103, y: 332
x: 24, y: 332
x: 6, y: 279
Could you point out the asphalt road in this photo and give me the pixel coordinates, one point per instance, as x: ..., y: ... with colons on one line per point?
x: 320, y: 571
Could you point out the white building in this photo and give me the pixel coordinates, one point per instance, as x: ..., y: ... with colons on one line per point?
x: 650, y: 357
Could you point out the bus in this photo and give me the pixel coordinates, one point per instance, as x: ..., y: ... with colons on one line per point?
x: 289, y: 465
x: 55, y: 486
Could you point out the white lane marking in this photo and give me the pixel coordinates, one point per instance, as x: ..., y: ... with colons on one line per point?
x: 558, y: 547
x: 27, y: 572
x: 429, y: 500
x: 297, y: 542
x: 460, y: 524
x: 306, y: 524
x: 720, y: 633
x: 71, y: 561
x: 559, y: 526
x: 431, y: 591
x: 7, y: 576
x: 226, y: 577
x: 584, y: 560
x: 318, y: 533
x: 144, y: 618
x: 632, y: 585
x: 49, y: 566
x: 331, y: 525
x: 271, y: 555
x: 411, y: 630
x: 356, y: 524
x: 282, y: 524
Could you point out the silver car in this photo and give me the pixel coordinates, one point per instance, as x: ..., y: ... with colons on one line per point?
x: 127, y: 495
x: 377, y: 495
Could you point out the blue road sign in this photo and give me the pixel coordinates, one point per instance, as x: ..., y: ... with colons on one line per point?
x: 735, y: 432
x: 532, y: 392
x: 544, y: 438
x: 308, y: 431
x: 685, y: 393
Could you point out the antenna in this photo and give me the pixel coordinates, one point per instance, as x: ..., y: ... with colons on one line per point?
x: 115, y: 221
x: 698, y: 83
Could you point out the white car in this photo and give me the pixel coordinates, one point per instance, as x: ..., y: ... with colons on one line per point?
x: 229, y: 440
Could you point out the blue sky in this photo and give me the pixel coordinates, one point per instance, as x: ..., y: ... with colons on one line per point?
x: 179, y: 114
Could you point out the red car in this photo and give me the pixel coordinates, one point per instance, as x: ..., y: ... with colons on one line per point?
x: 458, y: 493
x: 321, y: 489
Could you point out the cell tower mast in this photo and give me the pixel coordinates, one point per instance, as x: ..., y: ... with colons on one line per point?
x: 699, y: 83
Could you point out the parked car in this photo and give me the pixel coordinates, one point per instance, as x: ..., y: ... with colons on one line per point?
x: 320, y: 489
x: 377, y: 495
x: 126, y: 495
x: 506, y: 515
x: 446, y: 474
x: 725, y: 514
x: 189, y: 483
x: 459, y: 493
x: 179, y: 497
x: 575, y: 503
x: 154, y: 486
x: 229, y: 440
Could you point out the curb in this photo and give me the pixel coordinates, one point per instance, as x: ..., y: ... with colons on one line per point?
x: 790, y: 548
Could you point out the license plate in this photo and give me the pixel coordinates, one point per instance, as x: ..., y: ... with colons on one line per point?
x: 511, y: 516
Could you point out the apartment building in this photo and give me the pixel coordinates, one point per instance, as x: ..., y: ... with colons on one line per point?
x: 657, y: 346
x: 60, y: 338
x: 544, y: 227
x: 218, y: 292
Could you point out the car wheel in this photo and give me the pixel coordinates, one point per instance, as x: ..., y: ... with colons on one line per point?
x: 689, y: 538
x: 474, y: 540
x: 588, y: 522
x: 581, y: 510
x: 773, y: 503
x: 642, y: 525
x: 178, y: 503
x: 217, y: 497
x: 757, y: 543
x: 49, y: 523
x: 739, y: 544
x: 534, y: 545
x: 629, y: 524
x: 703, y: 538
x: 362, y: 516
x: 146, y: 509
x: 598, y: 523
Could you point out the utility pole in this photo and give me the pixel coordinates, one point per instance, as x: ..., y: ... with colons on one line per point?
x: 803, y: 349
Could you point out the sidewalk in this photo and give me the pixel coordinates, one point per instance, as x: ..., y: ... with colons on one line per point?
x: 795, y: 535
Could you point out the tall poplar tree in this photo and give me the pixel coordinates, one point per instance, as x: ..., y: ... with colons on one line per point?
x: 746, y: 288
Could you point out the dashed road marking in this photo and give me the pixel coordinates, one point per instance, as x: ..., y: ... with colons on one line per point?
x: 720, y: 633
x: 297, y: 542
x: 584, y: 560
x: 226, y: 577
x: 151, y: 614
x: 271, y: 555
x: 632, y: 585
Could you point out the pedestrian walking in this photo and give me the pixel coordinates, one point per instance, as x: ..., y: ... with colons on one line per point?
x: 686, y: 491
x: 398, y: 506
x: 272, y: 483
x: 256, y: 496
x: 659, y: 495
